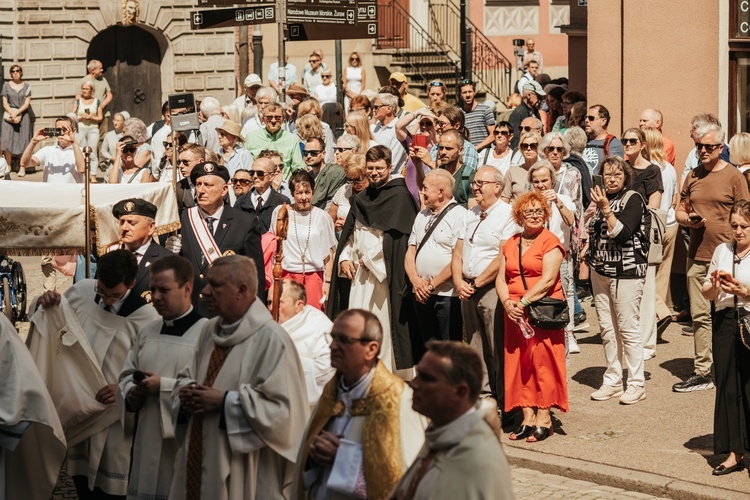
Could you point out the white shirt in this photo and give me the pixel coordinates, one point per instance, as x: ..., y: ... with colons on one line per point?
x: 216, y: 216
x: 157, y: 145
x: 316, y: 241
x: 722, y: 260
x: 480, y: 251
x: 141, y: 251
x: 59, y: 165
x: 438, y: 250
x: 669, y: 180
x: 254, y: 195
x: 251, y: 124
x: 501, y: 164
x: 386, y: 135
x: 557, y: 225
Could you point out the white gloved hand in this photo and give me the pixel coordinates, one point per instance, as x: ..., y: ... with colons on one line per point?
x: 173, y: 244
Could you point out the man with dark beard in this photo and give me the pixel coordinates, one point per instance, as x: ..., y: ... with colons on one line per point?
x: 371, y: 254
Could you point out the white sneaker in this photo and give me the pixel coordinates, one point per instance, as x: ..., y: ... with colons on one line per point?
x: 606, y: 392
x: 648, y: 355
x: 572, y: 344
x: 632, y: 395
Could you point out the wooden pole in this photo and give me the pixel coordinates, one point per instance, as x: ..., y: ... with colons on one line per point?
x: 282, y: 226
x: 86, y: 208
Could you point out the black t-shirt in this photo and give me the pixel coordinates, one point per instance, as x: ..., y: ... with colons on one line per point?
x: 647, y: 181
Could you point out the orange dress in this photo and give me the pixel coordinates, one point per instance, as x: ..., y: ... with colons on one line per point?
x: 535, y: 374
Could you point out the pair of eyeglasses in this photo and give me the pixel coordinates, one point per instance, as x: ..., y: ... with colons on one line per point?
x: 531, y: 213
x: 272, y: 118
x: 325, y: 76
x: 167, y: 145
x: 376, y: 107
x: 356, y: 181
x: 591, y: 118
x: 529, y: 129
x: 311, y: 61
x: 184, y: 162
x: 437, y: 84
x: 504, y: 133
x: 466, y: 81
x: 129, y: 150
x: 555, y: 149
x: 529, y: 145
x: 632, y: 141
x: 344, y: 340
x: 354, y: 59
x: 15, y: 71
x: 481, y: 184
x: 708, y: 147
x: 341, y: 150
x: 258, y: 173
x: 311, y: 152
x: 108, y: 296
x: 426, y: 123
x: 241, y: 182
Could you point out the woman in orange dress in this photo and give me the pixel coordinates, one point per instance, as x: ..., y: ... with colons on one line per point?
x: 535, y: 377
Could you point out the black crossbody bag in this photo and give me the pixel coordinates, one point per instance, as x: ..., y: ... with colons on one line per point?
x: 743, y: 319
x: 407, y: 288
x: 548, y: 312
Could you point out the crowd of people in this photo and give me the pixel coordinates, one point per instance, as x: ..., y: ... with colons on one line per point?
x: 434, y: 262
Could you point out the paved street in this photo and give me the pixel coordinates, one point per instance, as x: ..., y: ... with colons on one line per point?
x: 532, y: 485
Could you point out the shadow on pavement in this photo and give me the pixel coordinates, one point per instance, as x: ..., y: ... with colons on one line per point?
x: 681, y: 368
x: 704, y: 446
x: 590, y: 376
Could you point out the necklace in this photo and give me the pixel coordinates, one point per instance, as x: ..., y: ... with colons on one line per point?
x: 303, y: 251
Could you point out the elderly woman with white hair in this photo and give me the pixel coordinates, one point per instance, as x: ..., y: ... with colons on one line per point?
x: 107, y: 151
x: 210, y: 113
x: 554, y: 148
x: 135, y: 128
x: 264, y: 97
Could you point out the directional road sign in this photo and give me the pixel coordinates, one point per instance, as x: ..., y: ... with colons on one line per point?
x: 326, y: 19
x: 220, y: 18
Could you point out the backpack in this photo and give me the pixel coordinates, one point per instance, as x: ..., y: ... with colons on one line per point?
x: 605, y: 145
x: 656, y: 227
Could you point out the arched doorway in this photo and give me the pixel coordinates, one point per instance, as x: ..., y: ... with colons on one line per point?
x: 132, y: 65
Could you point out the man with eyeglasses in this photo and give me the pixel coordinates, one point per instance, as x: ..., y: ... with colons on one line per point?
x: 262, y: 199
x: 384, y: 129
x: 263, y: 97
x: 347, y: 452
x: 479, y: 119
x: 273, y: 136
x: 329, y: 177
x: 110, y: 315
x: 312, y: 74
x: 242, y: 182
x: 190, y: 155
x: 476, y: 260
x: 371, y: 253
x: 706, y: 198
x: 601, y: 144
x: 248, y: 98
x: 529, y: 108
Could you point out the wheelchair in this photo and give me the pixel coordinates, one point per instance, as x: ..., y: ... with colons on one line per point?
x: 13, y: 299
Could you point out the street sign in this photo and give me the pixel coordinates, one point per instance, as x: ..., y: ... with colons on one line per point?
x: 220, y: 18
x: 315, y: 19
x: 230, y: 3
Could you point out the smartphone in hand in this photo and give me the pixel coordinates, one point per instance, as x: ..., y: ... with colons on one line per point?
x: 599, y: 182
x: 419, y: 141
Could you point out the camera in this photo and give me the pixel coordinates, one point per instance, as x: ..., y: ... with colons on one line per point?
x: 52, y: 132
x: 129, y: 144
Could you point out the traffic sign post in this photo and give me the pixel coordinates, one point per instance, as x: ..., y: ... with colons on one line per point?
x: 221, y: 18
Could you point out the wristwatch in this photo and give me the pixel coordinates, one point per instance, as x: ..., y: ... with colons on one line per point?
x: 430, y: 287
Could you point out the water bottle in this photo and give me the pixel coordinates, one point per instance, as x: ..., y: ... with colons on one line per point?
x: 526, y: 328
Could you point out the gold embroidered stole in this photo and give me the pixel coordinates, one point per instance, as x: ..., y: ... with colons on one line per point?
x: 381, y: 434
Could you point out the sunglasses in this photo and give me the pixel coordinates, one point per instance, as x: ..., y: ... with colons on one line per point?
x: 376, y: 107
x: 241, y: 182
x: 529, y: 129
x: 167, y: 144
x: 555, y: 149
x: 311, y: 152
x: 466, y: 81
x: 258, y: 173
x: 341, y: 150
x: 311, y: 61
x: 426, y: 123
x: 504, y: 133
x: 631, y: 141
x: 325, y: 76
x: 708, y: 147
x: 184, y: 162
x: 272, y: 118
x: 591, y: 118
x: 354, y: 59
x: 436, y: 84
x: 129, y: 149
x: 356, y: 181
x: 529, y: 145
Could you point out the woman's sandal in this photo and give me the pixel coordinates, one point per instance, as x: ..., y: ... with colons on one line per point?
x: 521, y: 433
x: 540, y: 434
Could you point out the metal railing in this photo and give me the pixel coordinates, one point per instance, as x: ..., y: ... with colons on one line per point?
x: 488, y: 65
x: 416, y: 50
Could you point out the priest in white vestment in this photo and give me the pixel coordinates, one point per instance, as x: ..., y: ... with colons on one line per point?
x: 462, y: 456
x: 371, y: 255
x: 110, y: 316
x: 363, y: 433
x: 163, y: 349
x: 244, y: 393
x: 310, y: 330
x: 32, y: 443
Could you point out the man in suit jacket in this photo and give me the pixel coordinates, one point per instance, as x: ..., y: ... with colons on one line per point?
x: 137, y: 225
x: 213, y: 229
x: 262, y: 198
x: 191, y: 155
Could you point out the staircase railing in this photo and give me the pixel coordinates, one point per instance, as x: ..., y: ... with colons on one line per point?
x: 418, y: 51
x: 488, y: 65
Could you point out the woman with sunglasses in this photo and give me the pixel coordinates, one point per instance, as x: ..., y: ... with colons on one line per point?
x: 88, y: 111
x: 648, y: 182
x: 325, y: 92
x: 516, y: 179
x: 17, y: 129
x: 555, y: 148
x: 310, y: 241
x: 109, y: 144
x: 356, y: 181
x: 357, y: 124
x: 500, y: 156
x: 353, y: 79
x: 124, y: 168
x: 164, y: 171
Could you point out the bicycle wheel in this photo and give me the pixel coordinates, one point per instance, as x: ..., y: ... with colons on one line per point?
x: 7, y: 305
x: 18, y: 281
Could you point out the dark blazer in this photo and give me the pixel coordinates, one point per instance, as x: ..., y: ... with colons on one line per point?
x: 131, y: 304
x: 236, y: 233
x: 245, y: 203
x: 185, y: 198
x: 153, y: 253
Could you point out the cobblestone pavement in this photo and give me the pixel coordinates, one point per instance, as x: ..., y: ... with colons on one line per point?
x: 532, y: 485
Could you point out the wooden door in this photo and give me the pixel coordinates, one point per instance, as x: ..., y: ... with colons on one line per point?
x: 393, y: 24
x: 132, y: 59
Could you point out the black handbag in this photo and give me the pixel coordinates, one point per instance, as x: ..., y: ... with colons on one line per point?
x: 548, y: 313
x: 743, y: 318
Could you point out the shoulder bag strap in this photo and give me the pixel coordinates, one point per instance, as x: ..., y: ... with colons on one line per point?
x: 520, y: 266
x: 135, y: 174
x: 434, y: 225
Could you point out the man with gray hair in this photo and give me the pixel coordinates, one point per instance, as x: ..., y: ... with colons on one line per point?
x: 532, y: 96
x: 384, y: 109
x: 693, y: 160
x: 428, y: 259
x: 707, y: 195
x: 263, y: 97
x: 273, y: 136
x: 210, y: 116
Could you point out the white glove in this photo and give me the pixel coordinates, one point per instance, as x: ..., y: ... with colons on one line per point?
x: 173, y: 244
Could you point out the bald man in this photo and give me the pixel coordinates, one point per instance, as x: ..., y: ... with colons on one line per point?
x: 654, y: 119
x: 428, y: 259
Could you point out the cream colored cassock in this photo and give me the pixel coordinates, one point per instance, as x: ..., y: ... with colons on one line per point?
x: 32, y: 443
x: 155, y: 445
x: 265, y: 411
x: 105, y: 457
x: 469, y: 463
x: 370, y: 286
x: 310, y: 331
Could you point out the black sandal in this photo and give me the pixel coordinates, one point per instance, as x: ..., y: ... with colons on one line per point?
x: 521, y: 433
x: 540, y: 434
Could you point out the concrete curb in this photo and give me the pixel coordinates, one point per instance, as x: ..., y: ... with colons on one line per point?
x: 617, y: 477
